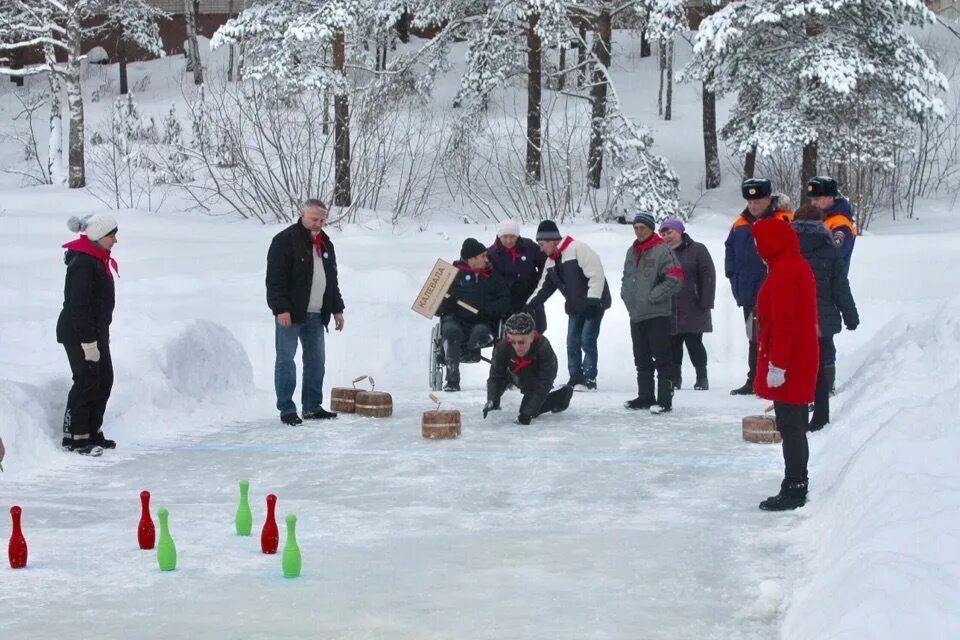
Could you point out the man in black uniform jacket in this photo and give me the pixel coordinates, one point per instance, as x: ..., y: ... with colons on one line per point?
x: 526, y: 359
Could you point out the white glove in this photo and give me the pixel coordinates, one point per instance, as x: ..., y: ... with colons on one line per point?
x: 776, y: 377
x: 90, y: 351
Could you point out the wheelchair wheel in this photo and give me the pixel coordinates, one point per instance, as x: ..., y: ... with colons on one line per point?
x: 435, y: 365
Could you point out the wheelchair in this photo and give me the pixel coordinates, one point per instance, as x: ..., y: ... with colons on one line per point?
x: 437, y: 362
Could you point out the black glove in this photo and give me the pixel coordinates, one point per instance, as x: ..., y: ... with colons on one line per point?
x: 593, y: 308
x: 523, y: 419
x: 852, y: 323
x: 490, y: 406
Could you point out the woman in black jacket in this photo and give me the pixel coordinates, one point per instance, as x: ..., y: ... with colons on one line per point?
x: 834, y: 301
x: 84, y: 331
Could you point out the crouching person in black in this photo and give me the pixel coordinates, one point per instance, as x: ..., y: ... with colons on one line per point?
x: 478, y: 299
x: 526, y: 359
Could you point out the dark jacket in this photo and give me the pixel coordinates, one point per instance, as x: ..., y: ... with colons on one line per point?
x: 88, y: 300
x: 290, y: 275
x: 834, y: 299
x: 692, y: 304
x: 489, y: 294
x: 522, y: 268
x: 534, y: 381
x: 578, y: 273
x: 839, y: 220
x: 787, y: 316
x: 742, y: 265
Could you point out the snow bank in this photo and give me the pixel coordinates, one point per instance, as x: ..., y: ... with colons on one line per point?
x: 197, y: 374
x: 880, y: 531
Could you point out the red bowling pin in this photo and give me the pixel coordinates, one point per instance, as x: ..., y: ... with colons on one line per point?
x: 270, y: 536
x: 146, y: 532
x: 17, y: 549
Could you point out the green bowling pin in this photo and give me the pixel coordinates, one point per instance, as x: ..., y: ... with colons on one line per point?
x: 291, y: 552
x: 166, y: 550
x: 244, y: 515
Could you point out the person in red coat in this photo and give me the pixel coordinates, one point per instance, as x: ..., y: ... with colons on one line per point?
x: 788, y: 355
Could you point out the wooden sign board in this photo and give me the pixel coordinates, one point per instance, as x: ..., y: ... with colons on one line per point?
x: 435, y: 289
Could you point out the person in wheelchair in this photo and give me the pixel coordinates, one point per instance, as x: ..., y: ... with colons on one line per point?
x: 469, y: 317
x: 526, y: 359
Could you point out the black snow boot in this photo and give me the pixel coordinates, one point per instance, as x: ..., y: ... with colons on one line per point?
x: 745, y: 390
x: 664, y: 396
x: 702, y: 384
x: 821, y: 403
x: 641, y: 403
x: 319, y: 414
x: 291, y: 419
x: 793, y: 495
x: 101, y: 440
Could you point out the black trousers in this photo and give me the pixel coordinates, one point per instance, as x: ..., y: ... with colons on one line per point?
x: 455, y: 333
x: 752, y: 353
x: 792, y: 421
x: 87, y: 400
x: 694, y: 342
x: 651, y: 351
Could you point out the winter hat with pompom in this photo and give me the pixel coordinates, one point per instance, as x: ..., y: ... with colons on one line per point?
x: 95, y: 226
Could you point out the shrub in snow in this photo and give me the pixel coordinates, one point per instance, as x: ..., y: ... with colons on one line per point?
x: 207, y: 362
x: 98, y: 55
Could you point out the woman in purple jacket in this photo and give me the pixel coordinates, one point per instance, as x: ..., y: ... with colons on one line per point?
x: 692, y: 304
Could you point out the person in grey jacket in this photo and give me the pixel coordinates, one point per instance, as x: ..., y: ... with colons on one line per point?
x: 651, y: 277
x: 692, y: 304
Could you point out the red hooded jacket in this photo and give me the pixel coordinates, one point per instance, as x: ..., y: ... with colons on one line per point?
x: 787, y: 315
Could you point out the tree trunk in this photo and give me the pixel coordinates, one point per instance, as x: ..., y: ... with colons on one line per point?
x: 662, y: 55
x: 561, y: 72
x: 55, y: 142
x: 534, y: 88
x: 808, y: 169
x: 644, y: 43
x: 711, y: 153
x: 668, y: 106
x: 342, y: 196
x: 193, y: 49
x: 230, y: 53
x: 598, y: 96
x: 582, y: 56
x: 403, y: 27
x: 77, y: 172
x: 750, y: 163
x: 122, y: 60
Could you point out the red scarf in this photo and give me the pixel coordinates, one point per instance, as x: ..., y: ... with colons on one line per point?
x: 639, y: 248
x: 519, y: 364
x: 480, y: 273
x: 319, y: 244
x: 83, y: 244
x: 555, y: 256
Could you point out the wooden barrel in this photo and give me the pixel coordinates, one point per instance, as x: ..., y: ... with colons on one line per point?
x: 762, y: 429
x: 374, y: 404
x: 343, y: 399
x: 441, y: 425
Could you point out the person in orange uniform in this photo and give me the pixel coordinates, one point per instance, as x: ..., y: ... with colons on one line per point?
x: 837, y: 215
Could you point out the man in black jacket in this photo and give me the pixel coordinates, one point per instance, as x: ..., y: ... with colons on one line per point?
x: 303, y: 293
x: 526, y: 359
x: 479, y: 298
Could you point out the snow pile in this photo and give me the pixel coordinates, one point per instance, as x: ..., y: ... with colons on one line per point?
x: 885, y: 511
x: 27, y: 435
x: 206, y: 361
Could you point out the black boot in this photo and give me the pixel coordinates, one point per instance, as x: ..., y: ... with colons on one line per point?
x: 793, y: 495
x: 291, y: 419
x: 642, y: 403
x: 821, y: 404
x: 102, y: 441
x: 745, y: 390
x: 645, y: 398
x: 557, y: 400
x: 677, y: 376
x: 319, y: 414
x: 702, y: 384
x: 453, y: 378
x: 664, y: 396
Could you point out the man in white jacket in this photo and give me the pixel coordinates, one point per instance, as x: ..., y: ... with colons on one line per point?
x: 575, y: 269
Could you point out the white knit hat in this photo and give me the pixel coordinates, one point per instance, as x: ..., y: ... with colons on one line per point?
x: 94, y: 226
x: 508, y: 228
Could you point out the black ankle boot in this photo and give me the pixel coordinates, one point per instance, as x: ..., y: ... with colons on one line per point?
x: 664, y: 396
x: 702, y: 384
x: 745, y: 390
x: 793, y: 495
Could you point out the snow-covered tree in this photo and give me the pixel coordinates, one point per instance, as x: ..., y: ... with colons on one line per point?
x: 135, y: 21
x: 836, y: 78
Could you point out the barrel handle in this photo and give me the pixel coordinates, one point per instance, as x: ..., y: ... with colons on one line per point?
x: 768, y: 409
x: 361, y: 379
x: 436, y: 400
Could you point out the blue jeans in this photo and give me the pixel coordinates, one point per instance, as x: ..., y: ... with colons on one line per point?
x: 310, y: 335
x: 582, y: 334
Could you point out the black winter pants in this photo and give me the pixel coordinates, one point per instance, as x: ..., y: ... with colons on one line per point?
x: 87, y: 400
x: 792, y: 420
x: 694, y: 342
x: 458, y: 335
x: 651, y: 351
x: 752, y: 353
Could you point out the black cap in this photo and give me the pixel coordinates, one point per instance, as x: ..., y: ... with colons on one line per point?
x: 822, y: 186
x: 519, y: 324
x: 548, y: 231
x: 756, y: 188
x: 471, y: 248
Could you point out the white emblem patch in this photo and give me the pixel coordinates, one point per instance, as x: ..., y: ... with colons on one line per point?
x: 838, y: 238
